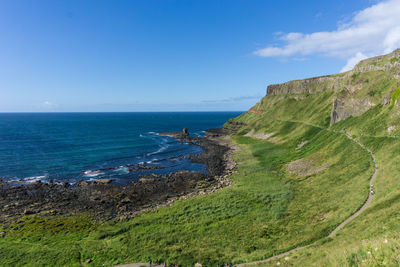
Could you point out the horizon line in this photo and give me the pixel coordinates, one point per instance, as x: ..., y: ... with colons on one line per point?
x: 161, y: 111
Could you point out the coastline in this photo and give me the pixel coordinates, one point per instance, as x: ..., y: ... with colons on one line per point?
x: 106, y: 201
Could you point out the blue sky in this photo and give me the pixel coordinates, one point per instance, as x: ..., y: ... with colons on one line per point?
x: 175, y: 55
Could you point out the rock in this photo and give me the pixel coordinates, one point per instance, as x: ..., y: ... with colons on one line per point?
x: 185, y: 131
x: 387, y: 101
x: 51, y: 212
x: 28, y: 212
x: 126, y: 200
x: 88, y: 261
x: 104, y: 181
x: 82, y: 183
x: 147, y: 167
x: 2, y: 234
x: 346, y: 107
x: 132, y: 169
x: 146, y: 180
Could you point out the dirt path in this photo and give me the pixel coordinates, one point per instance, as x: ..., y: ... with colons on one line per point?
x: 345, y: 222
x: 368, y: 201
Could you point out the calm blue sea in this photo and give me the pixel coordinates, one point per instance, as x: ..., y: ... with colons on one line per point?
x: 73, y: 146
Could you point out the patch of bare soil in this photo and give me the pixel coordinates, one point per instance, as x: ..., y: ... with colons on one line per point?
x: 305, y: 167
x: 259, y: 135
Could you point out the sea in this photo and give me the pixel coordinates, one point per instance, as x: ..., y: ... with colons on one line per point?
x: 67, y: 147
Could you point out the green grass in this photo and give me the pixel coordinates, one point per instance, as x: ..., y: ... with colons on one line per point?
x: 369, y: 231
x: 266, y: 211
x: 395, y: 96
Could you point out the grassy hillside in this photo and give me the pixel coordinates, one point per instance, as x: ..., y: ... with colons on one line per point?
x: 298, y: 178
x: 266, y: 211
x: 372, y: 239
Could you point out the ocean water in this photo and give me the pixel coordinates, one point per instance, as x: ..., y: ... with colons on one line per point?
x: 88, y: 146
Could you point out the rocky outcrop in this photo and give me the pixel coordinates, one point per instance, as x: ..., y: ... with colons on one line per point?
x: 252, y: 110
x: 375, y: 63
x: 348, y: 89
x: 344, y: 108
x: 367, y: 68
x: 334, y: 82
x: 309, y: 86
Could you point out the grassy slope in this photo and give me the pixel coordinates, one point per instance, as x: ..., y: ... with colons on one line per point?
x: 267, y: 210
x: 372, y: 239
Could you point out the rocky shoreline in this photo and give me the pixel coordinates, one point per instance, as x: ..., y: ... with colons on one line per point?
x: 107, y: 201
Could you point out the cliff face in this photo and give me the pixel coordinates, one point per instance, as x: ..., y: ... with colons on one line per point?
x: 344, y: 108
x: 307, y: 86
x: 371, y: 82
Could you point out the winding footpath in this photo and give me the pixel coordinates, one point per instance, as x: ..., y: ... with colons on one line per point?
x: 345, y: 222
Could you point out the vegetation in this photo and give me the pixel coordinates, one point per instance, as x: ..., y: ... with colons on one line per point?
x: 395, y: 96
x: 289, y: 190
x: 268, y: 210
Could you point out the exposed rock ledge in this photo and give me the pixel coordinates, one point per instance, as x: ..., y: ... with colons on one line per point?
x: 106, y: 201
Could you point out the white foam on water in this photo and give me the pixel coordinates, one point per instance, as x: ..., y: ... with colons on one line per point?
x: 122, y: 169
x: 91, y: 173
x: 33, y: 179
x: 163, y: 146
x: 161, y: 149
x: 151, y: 161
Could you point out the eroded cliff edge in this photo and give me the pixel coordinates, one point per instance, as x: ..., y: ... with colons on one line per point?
x: 372, y: 82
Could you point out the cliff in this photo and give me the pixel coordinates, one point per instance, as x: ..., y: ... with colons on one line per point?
x: 372, y: 82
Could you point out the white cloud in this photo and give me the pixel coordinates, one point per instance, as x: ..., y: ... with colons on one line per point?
x: 353, y: 61
x: 372, y: 31
x: 48, y: 105
x: 234, y: 99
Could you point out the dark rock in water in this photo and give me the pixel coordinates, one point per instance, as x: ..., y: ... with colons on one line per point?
x: 185, y: 131
x: 147, y: 167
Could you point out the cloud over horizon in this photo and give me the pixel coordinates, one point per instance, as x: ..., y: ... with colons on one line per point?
x: 233, y: 99
x: 48, y: 105
x: 372, y: 31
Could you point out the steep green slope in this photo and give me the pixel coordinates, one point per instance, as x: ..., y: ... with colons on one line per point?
x: 365, y: 103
